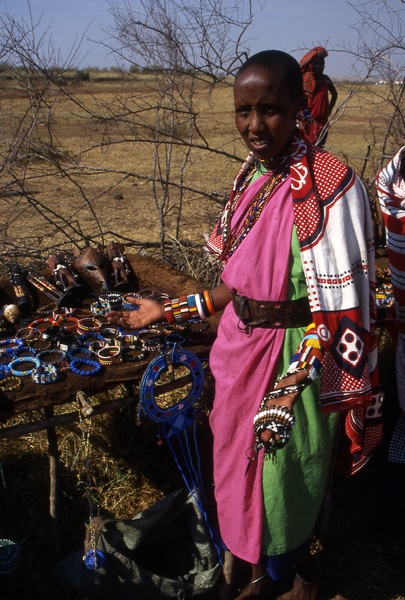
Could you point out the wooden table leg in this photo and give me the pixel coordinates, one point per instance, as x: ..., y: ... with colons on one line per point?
x: 53, y: 454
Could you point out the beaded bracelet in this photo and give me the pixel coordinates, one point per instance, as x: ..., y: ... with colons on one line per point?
x: 25, y: 351
x: 88, y: 324
x: 4, y: 371
x: 45, y: 355
x: 19, y: 361
x: 44, y: 374
x: 94, y: 369
x: 38, y: 344
x: 133, y: 353
x: 78, y: 352
x: 127, y: 305
x: 34, y: 325
x: 85, y: 339
x: 12, y: 343
x: 14, y: 380
x: 278, y: 419
x: 68, y: 323
x: 109, y: 355
x: 98, y: 308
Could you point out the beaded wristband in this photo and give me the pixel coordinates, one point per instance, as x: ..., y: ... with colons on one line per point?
x: 38, y: 343
x: 13, y: 344
x: 19, y: 361
x: 44, y: 374
x: 109, y: 355
x: 4, y: 383
x: 75, y: 365
x: 85, y: 339
x: 88, y: 324
x: 45, y: 355
x: 34, y: 325
x: 98, y: 308
x: 133, y: 353
x: 68, y: 323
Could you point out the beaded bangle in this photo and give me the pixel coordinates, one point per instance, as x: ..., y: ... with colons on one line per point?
x: 168, y: 310
x: 19, y: 361
x: 127, y: 305
x: 45, y: 355
x: 25, y: 351
x: 278, y: 419
x: 88, y: 324
x: 111, y: 301
x: 14, y: 380
x: 87, y: 338
x: 78, y: 352
x: 147, y: 293
x: 44, y: 374
x: 98, y: 308
x: 34, y: 325
x: 209, y: 302
x: 38, y: 343
x: 109, y: 355
x: 68, y: 323
x: 94, y: 369
x: 12, y: 343
x: 133, y: 353
x: 4, y: 371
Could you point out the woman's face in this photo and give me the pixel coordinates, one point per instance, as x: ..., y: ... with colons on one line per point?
x: 265, y: 114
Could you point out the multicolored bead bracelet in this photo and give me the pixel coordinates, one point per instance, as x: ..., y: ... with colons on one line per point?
x: 10, y: 383
x: 46, y: 373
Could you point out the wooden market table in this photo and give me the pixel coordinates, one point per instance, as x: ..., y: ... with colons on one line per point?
x: 36, y: 406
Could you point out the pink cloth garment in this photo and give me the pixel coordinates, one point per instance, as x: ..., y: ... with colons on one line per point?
x: 244, y: 366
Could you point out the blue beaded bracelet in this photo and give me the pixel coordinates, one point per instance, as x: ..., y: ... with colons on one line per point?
x: 14, y: 343
x: 24, y: 359
x: 78, y: 352
x: 78, y: 362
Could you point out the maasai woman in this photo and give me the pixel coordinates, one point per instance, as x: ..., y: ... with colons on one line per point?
x: 297, y: 290
x: 320, y: 93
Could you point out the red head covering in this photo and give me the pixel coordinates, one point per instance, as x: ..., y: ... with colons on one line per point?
x: 306, y: 63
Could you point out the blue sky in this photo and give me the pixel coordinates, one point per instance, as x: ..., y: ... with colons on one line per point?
x: 289, y: 25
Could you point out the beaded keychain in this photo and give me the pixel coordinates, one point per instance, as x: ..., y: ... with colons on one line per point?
x: 94, y: 559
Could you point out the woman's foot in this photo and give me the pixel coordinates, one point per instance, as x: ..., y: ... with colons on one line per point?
x: 258, y: 589
x: 307, y: 579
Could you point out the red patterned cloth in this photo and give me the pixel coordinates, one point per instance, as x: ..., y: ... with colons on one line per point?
x: 331, y: 206
x: 307, y: 73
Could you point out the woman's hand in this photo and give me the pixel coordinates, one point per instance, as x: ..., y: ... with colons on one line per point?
x: 148, y: 312
x: 289, y: 400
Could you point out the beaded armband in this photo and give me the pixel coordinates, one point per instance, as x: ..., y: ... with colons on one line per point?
x: 277, y: 419
x: 185, y: 308
x: 309, y: 354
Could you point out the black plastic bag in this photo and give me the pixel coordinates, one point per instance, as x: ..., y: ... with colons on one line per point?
x: 164, y: 552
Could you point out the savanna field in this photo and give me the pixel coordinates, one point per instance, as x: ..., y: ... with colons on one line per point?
x: 98, y: 186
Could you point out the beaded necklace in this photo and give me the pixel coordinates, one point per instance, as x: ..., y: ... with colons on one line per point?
x: 233, y: 238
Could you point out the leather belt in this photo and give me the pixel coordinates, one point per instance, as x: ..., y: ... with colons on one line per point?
x: 275, y: 315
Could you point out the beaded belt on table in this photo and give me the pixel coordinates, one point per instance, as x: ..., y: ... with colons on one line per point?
x: 275, y: 315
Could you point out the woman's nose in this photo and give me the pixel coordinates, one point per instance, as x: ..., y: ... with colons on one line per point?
x: 256, y: 122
